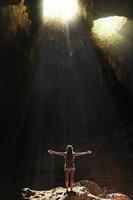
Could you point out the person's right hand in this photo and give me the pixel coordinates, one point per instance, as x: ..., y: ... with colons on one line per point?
x: 89, y: 152
x: 50, y: 152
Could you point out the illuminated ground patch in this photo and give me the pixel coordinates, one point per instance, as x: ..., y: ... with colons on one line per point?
x: 108, y: 29
x: 63, y: 10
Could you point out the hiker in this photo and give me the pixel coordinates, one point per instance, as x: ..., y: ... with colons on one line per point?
x: 69, y: 167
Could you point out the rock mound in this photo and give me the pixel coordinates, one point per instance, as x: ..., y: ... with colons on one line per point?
x: 83, y: 190
x: 90, y: 186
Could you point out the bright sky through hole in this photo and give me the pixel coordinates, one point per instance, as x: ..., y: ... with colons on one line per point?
x: 108, y: 28
x: 64, y: 10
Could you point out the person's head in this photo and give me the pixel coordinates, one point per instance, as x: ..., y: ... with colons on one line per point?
x: 69, y: 149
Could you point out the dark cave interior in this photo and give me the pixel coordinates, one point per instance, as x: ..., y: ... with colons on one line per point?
x: 54, y: 93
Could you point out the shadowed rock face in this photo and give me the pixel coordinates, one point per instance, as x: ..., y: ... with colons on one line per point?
x: 105, y: 8
x: 14, y: 18
x: 7, y: 2
x: 79, y: 192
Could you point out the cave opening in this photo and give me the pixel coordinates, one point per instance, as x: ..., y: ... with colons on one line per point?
x: 65, y: 83
x: 60, y: 10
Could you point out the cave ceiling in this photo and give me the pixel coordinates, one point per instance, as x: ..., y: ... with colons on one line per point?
x: 100, y: 8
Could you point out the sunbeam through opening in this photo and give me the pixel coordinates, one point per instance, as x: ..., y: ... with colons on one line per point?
x: 63, y: 10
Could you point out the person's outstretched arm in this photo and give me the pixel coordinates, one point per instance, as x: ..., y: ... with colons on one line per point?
x: 82, y: 153
x: 51, y: 152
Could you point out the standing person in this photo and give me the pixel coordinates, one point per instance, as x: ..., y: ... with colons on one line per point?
x: 69, y: 167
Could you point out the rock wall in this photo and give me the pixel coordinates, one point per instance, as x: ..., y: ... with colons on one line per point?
x: 105, y: 8
x: 12, y: 19
x: 17, y: 66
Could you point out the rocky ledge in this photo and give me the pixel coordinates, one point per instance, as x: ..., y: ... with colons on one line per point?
x: 83, y: 190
